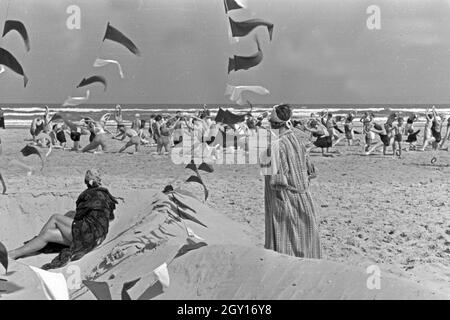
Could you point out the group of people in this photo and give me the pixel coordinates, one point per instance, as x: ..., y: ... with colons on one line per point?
x: 394, y: 132
x: 162, y: 131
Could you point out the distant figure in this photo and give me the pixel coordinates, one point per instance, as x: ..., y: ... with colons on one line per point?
x: 98, y: 136
x: 37, y: 126
x: 118, y: 116
x: 2, y: 119
x: 399, y: 131
x: 290, y: 212
x: 412, y: 134
x: 136, y: 123
x: 130, y: 133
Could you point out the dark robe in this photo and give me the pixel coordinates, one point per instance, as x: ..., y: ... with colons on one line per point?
x: 95, y: 208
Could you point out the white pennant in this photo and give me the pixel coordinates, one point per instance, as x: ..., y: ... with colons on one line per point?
x: 191, y: 234
x: 54, y: 284
x: 103, y: 62
x: 162, y: 274
x: 74, y: 101
x: 235, y: 92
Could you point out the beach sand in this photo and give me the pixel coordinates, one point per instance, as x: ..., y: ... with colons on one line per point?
x: 373, y: 210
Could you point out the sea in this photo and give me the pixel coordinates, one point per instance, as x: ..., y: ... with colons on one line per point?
x: 21, y: 115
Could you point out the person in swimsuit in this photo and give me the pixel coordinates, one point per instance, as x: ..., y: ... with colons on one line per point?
x: 384, y: 137
x: 409, y: 129
x: 37, y: 126
x: 130, y: 133
x: 332, y: 128
x: 436, y: 129
x: 399, y: 131
x: 136, y: 123
x: 446, y: 137
x: 166, y: 129
x: 58, y: 136
x: 98, y: 135
x: 118, y: 116
x: 348, y: 129
x: 369, y: 135
x: 321, y: 133
x: 427, y: 135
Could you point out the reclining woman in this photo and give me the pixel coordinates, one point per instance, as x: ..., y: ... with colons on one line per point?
x: 79, y: 235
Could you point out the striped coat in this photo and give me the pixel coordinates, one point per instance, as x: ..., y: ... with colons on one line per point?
x: 290, y: 212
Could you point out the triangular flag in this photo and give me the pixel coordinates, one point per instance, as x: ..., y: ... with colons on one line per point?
x: 115, y: 35
x: 206, y: 167
x: 20, y: 28
x: 162, y: 274
x: 155, y: 290
x: 4, y: 257
x: 192, y: 166
x: 8, y: 60
x: 127, y: 286
x: 100, y: 289
x: 233, y: 5
x: 191, y: 234
x: 195, y: 179
x: 54, y: 284
x: 30, y: 150
x: 191, y: 245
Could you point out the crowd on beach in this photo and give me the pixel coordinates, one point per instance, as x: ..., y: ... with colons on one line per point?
x: 325, y: 131
x: 393, y: 133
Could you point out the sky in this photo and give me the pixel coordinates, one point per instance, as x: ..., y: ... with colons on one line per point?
x: 322, y: 51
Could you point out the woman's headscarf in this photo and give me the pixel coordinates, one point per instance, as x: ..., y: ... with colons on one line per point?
x: 92, y: 178
x: 281, y: 115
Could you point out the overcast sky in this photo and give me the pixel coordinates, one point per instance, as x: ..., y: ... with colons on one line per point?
x: 321, y: 52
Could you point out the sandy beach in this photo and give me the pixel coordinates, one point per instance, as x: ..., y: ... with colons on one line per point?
x: 373, y: 209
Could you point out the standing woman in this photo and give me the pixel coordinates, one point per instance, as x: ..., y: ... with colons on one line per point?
x: 118, y: 117
x: 290, y: 212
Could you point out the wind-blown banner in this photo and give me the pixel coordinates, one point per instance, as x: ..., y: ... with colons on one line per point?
x: 75, y: 101
x: 245, y: 62
x: 115, y: 35
x: 243, y: 28
x: 103, y: 62
x: 20, y: 28
x: 8, y: 60
x: 236, y: 92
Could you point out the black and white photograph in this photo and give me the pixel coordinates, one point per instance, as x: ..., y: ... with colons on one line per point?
x: 224, y: 150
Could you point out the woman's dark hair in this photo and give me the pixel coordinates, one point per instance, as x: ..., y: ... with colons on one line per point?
x: 284, y: 112
x: 142, y: 124
x: 158, y: 117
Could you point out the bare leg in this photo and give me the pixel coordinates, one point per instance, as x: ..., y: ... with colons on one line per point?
x: 379, y: 144
x: 91, y: 146
x: 57, y: 230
